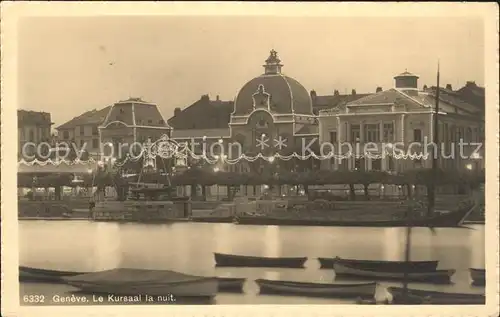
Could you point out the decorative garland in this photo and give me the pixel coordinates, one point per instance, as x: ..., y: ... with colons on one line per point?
x: 167, y: 148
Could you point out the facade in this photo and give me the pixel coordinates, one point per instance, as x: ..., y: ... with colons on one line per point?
x: 83, y: 130
x: 270, y: 107
x: 129, y: 121
x: 32, y: 126
x: 404, y: 115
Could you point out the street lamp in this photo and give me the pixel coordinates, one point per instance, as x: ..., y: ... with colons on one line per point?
x: 468, y: 166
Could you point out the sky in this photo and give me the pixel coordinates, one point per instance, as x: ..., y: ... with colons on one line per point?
x: 69, y: 65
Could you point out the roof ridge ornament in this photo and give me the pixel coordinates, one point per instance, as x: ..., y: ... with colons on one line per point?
x: 273, y: 63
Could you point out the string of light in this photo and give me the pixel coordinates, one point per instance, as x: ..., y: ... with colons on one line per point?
x: 167, y: 148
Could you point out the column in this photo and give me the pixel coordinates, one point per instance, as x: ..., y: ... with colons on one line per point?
x: 402, y: 129
x: 361, y: 131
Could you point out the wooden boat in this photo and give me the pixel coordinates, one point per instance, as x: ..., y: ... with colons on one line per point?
x: 435, y: 276
x: 478, y: 276
x: 316, y: 289
x: 230, y: 284
x: 437, y: 298
x: 133, y: 282
x: 29, y: 274
x: 452, y: 219
x: 381, y: 266
x: 229, y: 219
x: 256, y: 261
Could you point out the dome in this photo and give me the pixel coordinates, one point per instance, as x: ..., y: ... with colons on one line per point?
x: 274, y: 92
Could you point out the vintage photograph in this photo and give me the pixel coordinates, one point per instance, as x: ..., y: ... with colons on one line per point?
x: 220, y: 160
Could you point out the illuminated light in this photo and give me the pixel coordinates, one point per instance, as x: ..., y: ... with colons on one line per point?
x: 89, y: 171
x: 266, y: 186
x: 475, y: 156
x: 216, y: 169
x: 271, y: 159
x: 468, y: 166
x: 382, y: 187
x: 216, y: 157
x: 204, y: 137
x: 220, y: 141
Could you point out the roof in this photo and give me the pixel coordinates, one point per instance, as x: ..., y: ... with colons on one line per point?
x: 135, y: 112
x: 453, y: 98
x: 333, y: 101
x: 287, y: 95
x: 92, y: 117
x: 28, y: 117
x: 203, y: 114
x: 406, y: 74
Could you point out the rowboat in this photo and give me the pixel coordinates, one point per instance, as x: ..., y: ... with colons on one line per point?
x: 451, y: 219
x: 230, y: 284
x: 29, y: 274
x: 256, y: 261
x: 478, y: 276
x: 133, y: 282
x: 316, y: 289
x: 381, y: 266
x: 437, y: 298
x: 229, y: 219
x: 436, y: 276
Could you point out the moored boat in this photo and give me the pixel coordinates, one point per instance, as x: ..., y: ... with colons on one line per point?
x: 435, y: 276
x: 256, y: 261
x: 381, y: 266
x: 230, y: 284
x: 437, y: 298
x: 363, y: 290
x: 229, y: 219
x: 132, y: 282
x: 451, y: 219
x: 478, y: 276
x: 29, y: 274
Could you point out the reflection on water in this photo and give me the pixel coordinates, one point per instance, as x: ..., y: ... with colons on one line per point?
x: 189, y: 247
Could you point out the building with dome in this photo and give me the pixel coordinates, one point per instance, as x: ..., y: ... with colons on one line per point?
x: 273, y: 108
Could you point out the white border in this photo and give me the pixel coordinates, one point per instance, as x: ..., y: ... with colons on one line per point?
x: 12, y: 11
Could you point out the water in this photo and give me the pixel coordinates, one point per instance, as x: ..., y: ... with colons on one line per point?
x: 189, y: 247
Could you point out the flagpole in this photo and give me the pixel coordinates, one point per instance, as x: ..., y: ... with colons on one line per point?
x: 432, y: 190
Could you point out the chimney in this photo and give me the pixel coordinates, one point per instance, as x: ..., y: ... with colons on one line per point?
x: 177, y: 111
x: 425, y: 87
x: 336, y: 92
x: 379, y: 89
x: 313, y: 94
x: 217, y: 98
x: 353, y: 92
x: 448, y: 87
x: 205, y: 97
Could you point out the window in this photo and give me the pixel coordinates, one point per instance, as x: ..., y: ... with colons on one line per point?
x: 417, y: 135
x: 343, y: 165
x: 82, y: 143
x: 417, y: 162
x: 388, y: 132
x: 359, y: 164
x: 333, y: 137
x: 65, y: 135
x: 150, y: 121
x: 95, y: 143
x: 376, y: 164
x: 161, y: 122
x: 372, y: 133
x: 31, y: 136
x: 390, y: 163
x: 355, y: 133
x: 468, y: 135
x: 82, y: 130
x: 95, y: 130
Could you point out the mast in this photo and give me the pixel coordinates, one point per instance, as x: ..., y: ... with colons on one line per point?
x: 409, y: 212
x: 431, y: 196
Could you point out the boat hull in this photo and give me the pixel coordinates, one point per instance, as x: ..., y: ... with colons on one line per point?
x: 230, y: 284
x: 213, y: 219
x: 449, y: 220
x: 478, y: 276
x: 381, y: 266
x: 435, y: 277
x: 31, y: 275
x: 437, y: 298
x: 365, y: 290
x: 253, y: 261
